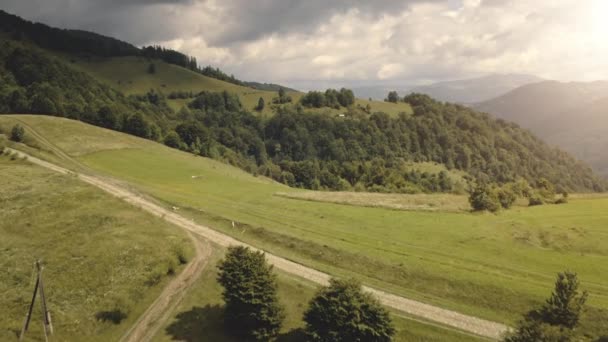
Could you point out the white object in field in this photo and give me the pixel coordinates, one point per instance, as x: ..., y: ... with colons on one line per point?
x: 233, y: 225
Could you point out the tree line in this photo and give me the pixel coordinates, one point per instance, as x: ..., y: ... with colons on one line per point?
x: 341, y: 311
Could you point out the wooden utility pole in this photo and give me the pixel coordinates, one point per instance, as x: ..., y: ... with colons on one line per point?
x: 46, y: 315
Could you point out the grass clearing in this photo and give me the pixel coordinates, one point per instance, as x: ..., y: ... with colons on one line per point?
x: 422, y: 202
x: 103, y: 259
x: 130, y: 75
x: 199, y: 316
x: 492, y: 266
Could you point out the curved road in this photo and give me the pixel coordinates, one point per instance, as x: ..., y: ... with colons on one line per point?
x: 428, y: 312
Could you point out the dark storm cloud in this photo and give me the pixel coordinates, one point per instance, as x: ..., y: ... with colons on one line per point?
x: 143, y: 21
x: 136, y: 21
x: 253, y: 19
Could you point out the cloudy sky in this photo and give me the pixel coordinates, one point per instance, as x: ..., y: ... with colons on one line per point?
x: 356, y: 42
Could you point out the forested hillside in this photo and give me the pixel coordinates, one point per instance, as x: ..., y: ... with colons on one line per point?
x: 92, y: 44
x: 360, y: 149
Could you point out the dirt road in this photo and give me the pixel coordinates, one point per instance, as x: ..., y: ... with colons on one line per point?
x: 446, y: 317
x: 163, y: 307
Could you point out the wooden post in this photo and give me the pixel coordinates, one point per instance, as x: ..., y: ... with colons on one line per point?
x: 28, y: 317
x: 46, y: 315
x: 43, y: 303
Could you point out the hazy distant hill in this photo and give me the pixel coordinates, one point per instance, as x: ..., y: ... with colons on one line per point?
x: 475, y: 89
x: 377, y: 92
x: 571, y: 115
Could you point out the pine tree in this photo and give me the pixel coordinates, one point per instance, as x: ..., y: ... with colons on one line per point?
x: 558, y: 318
x: 261, y: 104
x: 250, y: 292
x: 566, y: 303
x: 343, y: 312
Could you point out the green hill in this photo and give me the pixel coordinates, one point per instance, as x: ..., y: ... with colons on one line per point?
x: 163, y: 95
x: 493, y: 266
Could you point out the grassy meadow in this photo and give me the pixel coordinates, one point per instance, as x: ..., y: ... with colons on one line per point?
x: 491, y: 266
x: 104, y: 261
x: 422, y: 202
x: 130, y: 75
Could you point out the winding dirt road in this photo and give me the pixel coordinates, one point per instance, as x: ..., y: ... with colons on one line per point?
x: 428, y: 312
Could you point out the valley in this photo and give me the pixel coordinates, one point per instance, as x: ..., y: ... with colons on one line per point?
x: 407, y: 253
x: 169, y: 200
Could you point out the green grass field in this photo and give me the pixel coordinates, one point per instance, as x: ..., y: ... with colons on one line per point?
x: 100, y: 255
x: 492, y: 266
x: 417, y: 202
x: 130, y: 75
x: 199, y: 316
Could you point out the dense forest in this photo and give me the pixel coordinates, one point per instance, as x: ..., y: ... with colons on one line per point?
x: 356, y: 150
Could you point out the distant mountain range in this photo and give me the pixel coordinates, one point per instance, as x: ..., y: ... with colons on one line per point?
x: 573, y: 116
x: 465, y: 91
x: 475, y: 89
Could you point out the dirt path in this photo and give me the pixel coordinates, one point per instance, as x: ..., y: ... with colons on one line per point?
x: 163, y: 307
x: 446, y: 317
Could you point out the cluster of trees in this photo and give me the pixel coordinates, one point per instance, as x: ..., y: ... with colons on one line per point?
x: 181, y: 94
x: 282, y: 97
x: 169, y: 56
x: 557, y: 319
x: 331, y: 98
x: 393, y: 97
x: 493, y: 197
x: 338, y: 312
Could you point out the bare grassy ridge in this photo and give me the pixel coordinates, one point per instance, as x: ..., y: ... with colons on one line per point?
x: 422, y: 202
x: 130, y: 75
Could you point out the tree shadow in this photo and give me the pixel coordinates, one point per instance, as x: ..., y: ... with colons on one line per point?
x: 207, y: 324
x: 295, y: 335
x: 199, y: 324
x: 115, y: 316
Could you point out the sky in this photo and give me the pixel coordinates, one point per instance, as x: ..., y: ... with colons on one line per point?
x: 354, y: 42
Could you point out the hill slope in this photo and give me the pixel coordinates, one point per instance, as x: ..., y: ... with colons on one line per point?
x: 103, y: 260
x: 476, y: 89
x: 573, y: 116
x: 493, y: 266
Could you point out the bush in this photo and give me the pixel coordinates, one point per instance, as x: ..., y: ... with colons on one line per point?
x: 17, y: 133
x: 250, y: 292
x: 483, y: 197
x: 506, y: 197
x: 343, y: 312
x: 535, y: 199
x: 172, y: 139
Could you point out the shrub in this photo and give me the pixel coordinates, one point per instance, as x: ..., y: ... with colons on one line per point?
x: 535, y: 199
x: 17, y: 133
x: 483, y: 197
x: 172, y: 139
x: 506, y: 197
x: 343, y: 312
x: 250, y: 292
